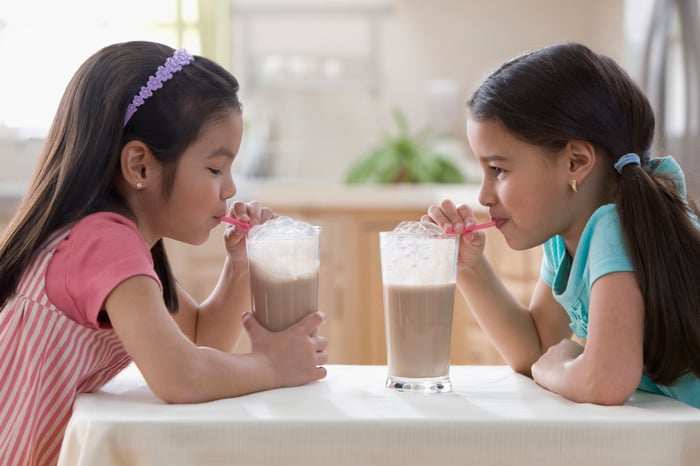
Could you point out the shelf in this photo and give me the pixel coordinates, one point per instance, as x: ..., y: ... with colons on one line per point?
x: 308, y: 45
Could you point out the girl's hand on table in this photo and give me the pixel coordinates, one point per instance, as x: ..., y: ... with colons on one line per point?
x: 549, y: 367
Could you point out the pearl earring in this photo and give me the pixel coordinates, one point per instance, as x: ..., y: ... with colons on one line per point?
x: 139, y: 185
x: 573, y: 185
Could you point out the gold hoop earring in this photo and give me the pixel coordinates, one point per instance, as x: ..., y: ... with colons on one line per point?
x: 574, y: 186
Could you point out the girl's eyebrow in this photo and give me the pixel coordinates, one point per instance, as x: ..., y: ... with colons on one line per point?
x: 221, y: 152
x: 493, y: 158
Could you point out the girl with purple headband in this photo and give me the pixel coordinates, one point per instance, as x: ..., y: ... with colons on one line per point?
x: 140, y: 149
x: 563, y: 136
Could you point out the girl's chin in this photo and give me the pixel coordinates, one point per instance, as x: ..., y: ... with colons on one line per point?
x: 517, y: 247
x: 202, y: 240
x: 519, y: 243
x: 194, y: 240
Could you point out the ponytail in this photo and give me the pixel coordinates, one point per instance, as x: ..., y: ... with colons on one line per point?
x: 664, y: 244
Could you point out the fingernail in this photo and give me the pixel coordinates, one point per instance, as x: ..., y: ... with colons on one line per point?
x: 323, y: 314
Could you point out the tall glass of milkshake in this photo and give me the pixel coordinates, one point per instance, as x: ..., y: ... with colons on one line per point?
x: 283, y: 259
x: 419, y: 265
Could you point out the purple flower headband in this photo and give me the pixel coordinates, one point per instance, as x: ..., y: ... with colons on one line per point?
x: 164, y: 72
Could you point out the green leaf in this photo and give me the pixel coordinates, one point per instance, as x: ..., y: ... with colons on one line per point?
x: 405, y: 158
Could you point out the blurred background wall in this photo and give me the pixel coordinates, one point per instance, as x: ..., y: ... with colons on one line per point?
x: 423, y: 57
x: 320, y: 79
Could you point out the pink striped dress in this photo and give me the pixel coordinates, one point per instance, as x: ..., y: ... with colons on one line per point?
x: 46, y: 358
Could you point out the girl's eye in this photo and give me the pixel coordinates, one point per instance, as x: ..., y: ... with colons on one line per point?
x: 215, y: 171
x: 497, y: 171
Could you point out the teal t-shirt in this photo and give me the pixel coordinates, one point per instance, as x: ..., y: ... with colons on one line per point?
x: 601, y: 250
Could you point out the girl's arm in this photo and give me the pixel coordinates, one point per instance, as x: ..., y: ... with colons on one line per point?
x: 179, y: 371
x: 521, y: 334
x: 609, y: 368
x: 216, y: 322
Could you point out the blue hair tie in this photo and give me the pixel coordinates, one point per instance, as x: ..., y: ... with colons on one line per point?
x: 627, y: 159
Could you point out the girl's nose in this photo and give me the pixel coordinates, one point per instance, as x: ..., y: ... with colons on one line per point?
x: 228, y: 190
x: 486, y: 194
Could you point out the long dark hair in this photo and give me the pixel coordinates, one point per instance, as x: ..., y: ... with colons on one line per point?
x: 77, y: 172
x: 563, y: 92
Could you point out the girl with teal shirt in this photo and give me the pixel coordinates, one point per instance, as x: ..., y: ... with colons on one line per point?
x: 563, y: 136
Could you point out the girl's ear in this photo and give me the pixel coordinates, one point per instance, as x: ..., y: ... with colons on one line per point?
x: 581, y: 159
x: 138, y: 165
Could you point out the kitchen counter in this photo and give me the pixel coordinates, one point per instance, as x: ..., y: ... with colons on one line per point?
x: 294, y: 193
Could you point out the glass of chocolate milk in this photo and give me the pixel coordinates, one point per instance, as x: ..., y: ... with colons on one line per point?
x: 284, y: 260
x: 419, y: 265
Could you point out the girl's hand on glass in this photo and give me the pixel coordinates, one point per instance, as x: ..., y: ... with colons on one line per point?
x: 252, y: 213
x: 295, y: 356
x: 454, y: 219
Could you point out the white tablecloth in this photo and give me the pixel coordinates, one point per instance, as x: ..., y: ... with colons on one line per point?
x: 493, y: 417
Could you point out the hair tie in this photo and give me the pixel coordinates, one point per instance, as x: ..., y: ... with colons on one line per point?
x: 164, y: 72
x: 627, y: 159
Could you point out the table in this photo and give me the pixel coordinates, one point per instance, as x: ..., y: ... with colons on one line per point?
x: 493, y: 416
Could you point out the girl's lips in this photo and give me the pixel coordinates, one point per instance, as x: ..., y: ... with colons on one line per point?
x: 499, y: 221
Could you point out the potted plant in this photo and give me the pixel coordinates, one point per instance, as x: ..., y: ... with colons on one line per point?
x: 404, y: 158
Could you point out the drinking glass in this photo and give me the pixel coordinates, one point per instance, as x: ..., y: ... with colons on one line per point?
x: 284, y: 261
x: 418, y: 279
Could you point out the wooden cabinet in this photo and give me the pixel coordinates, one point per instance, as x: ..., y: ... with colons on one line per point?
x: 350, y: 279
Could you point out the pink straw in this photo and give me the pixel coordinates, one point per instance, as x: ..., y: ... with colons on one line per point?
x: 234, y: 221
x: 480, y: 226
